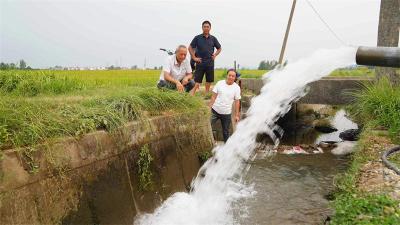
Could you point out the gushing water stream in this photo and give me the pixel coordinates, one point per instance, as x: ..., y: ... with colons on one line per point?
x: 219, y: 182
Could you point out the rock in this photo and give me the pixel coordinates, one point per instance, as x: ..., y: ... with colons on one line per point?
x: 325, y: 129
x: 350, y: 135
x: 318, y: 151
x: 344, y: 148
x: 324, y: 126
x: 327, y: 144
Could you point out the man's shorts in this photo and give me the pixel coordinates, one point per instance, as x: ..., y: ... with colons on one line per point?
x: 204, y: 69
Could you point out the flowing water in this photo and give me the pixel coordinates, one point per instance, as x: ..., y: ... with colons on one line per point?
x: 290, y: 189
x: 220, y: 183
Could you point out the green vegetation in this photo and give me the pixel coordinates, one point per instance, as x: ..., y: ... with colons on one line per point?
x: 12, y: 66
x: 204, y: 156
x: 221, y: 74
x: 32, y: 83
x: 37, y: 105
x: 268, y: 65
x: 144, y: 171
x: 361, y: 71
x: 366, y: 209
x: 40, y: 104
x: 395, y: 159
x: 353, y: 206
x: 379, y: 105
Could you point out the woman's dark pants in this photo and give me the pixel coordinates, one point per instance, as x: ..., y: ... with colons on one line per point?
x: 225, y: 122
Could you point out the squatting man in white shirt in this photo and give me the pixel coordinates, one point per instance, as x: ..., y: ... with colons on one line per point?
x: 177, y: 73
x: 225, y: 92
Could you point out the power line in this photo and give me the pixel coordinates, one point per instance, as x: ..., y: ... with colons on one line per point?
x: 326, y: 24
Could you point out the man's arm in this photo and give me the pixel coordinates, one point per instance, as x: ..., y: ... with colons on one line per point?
x: 216, y: 53
x: 186, y: 79
x: 213, y: 97
x: 168, y: 77
x: 217, y: 45
x: 188, y: 74
x: 193, y: 55
x: 191, y: 51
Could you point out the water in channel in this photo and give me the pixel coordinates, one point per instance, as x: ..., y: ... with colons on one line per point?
x: 289, y: 189
x: 221, y: 189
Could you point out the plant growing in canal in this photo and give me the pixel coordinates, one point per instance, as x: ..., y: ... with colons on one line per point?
x: 145, y: 174
x: 204, y: 156
x: 28, y: 154
x: 3, y: 134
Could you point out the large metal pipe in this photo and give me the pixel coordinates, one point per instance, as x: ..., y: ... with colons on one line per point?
x: 378, y: 56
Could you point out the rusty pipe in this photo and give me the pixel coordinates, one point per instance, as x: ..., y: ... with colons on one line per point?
x: 378, y: 56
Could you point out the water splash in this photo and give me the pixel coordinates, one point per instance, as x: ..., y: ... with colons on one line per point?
x: 218, y: 183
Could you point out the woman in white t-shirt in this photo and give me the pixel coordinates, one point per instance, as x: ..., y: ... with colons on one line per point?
x: 225, y: 92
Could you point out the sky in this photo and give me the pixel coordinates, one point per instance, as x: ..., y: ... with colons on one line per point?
x: 84, y: 33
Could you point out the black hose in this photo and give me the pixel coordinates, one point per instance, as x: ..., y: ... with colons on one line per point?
x: 386, y: 161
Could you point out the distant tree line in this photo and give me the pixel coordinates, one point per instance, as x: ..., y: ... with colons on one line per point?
x: 269, y: 65
x: 13, y: 66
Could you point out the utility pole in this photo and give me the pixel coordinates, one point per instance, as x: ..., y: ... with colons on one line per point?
x: 234, y: 64
x: 388, y: 35
x: 287, y: 32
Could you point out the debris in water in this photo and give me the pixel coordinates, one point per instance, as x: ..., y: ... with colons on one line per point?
x: 295, y: 150
x: 318, y: 151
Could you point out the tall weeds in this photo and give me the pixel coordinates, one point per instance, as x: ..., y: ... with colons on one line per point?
x: 378, y: 104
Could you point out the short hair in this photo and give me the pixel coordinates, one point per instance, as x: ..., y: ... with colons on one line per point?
x: 179, y: 47
x: 206, y: 22
x: 227, y: 72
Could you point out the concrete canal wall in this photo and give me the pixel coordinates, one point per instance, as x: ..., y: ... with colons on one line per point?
x: 328, y: 90
x: 103, y: 177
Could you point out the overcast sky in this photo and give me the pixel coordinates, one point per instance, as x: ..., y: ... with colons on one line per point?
x: 104, y: 33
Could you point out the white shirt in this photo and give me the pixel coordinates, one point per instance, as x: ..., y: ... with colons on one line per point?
x: 226, y: 95
x: 171, y: 66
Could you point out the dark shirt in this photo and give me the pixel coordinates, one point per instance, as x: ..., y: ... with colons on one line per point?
x: 205, y: 47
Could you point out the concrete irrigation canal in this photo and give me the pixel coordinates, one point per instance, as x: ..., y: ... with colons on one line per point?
x: 160, y: 170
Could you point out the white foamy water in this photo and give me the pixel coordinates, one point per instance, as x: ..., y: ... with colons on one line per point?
x: 218, y: 183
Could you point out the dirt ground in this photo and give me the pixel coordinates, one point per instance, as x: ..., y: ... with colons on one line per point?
x: 374, y: 176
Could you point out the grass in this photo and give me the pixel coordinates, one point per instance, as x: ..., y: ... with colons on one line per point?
x: 40, y: 105
x: 395, y: 159
x: 366, y: 209
x: 378, y: 105
x: 45, y: 82
x: 221, y: 74
x: 361, y: 71
x: 27, y: 83
x: 353, y: 206
x: 26, y: 121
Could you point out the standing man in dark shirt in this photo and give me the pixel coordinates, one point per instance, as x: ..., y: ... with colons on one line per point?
x: 204, y: 56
